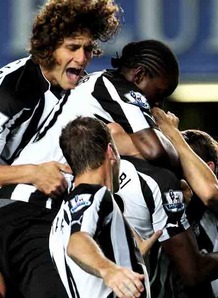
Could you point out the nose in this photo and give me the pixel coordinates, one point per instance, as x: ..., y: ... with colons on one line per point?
x: 81, y: 57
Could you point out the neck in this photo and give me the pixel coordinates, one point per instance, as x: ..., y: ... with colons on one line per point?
x: 99, y: 176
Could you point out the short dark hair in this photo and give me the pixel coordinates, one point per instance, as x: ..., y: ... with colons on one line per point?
x: 61, y: 19
x: 203, y: 144
x: 84, y: 143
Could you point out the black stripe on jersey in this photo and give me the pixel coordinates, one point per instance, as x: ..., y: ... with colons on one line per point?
x: 31, y: 129
x: 66, y: 218
x: 71, y: 282
x: 6, y: 191
x: 101, y: 94
x: 39, y: 198
x: 11, y: 125
x: 195, y: 209
x: 203, y: 240
x: 106, y: 207
x: 124, y: 87
x: 156, y: 272
x: 103, y: 234
x: 148, y: 196
x: 102, y: 119
x: 135, y: 255
x: 41, y: 134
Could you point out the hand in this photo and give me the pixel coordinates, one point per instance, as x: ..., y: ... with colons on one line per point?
x: 165, y: 121
x: 124, y: 282
x: 145, y: 245
x: 49, y: 179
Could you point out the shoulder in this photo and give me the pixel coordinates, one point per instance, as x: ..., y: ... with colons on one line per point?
x: 90, y: 78
x: 162, y: 176
x: 15, y: 66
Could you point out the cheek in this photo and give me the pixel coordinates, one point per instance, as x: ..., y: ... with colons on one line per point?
x: 89, y: 56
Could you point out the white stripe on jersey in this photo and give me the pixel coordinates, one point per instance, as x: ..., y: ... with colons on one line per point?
x: 147, y: 218
x: 133, y: 114
x: 135, y: 208
x: 22, y: 192
x: 75, y: 279
x: 80, y: 103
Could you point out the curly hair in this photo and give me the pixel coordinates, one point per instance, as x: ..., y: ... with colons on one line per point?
x: 59, y: 19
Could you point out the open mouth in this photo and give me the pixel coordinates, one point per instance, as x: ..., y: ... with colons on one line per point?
x: 72, y: 72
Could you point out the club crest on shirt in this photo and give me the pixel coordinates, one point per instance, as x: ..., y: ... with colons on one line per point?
x: 137, y: 99
x: 79, y: 201
x: 174, y: 201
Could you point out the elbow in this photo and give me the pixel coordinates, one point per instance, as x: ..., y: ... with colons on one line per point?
x: 210, y: 198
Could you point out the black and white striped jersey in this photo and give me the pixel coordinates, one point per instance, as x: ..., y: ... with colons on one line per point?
x: 153, y: 201
x: 106, y: 95
x: 208, y: 239
x: 116, y: 104
x: 25, y: 102
x: 92, y: 209
x: 204, y: 224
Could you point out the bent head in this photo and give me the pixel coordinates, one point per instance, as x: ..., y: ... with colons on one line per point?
x: 152, y: 66
x: 65, y: 35
x: 87, y: 144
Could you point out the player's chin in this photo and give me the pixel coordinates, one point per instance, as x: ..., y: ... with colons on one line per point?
x: 70, y: 84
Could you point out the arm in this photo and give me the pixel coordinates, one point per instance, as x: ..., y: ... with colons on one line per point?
x: 194, y: 267
x: 46, y: 177
x: 155, y: 147
x: 197, y: 173
x: 86, y: 253
x: 148, y: 143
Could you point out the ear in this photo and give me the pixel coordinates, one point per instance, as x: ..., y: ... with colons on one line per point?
x: 111, y: 152
x: 139, y: 74
x: 211, y: 165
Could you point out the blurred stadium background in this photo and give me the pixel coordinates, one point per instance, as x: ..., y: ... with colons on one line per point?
x: 189, y: 27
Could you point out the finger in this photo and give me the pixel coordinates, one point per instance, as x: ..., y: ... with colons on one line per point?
x: 133, y: 287
x: 155, y: 237
x: 117, y: 291
x: 65, y: 168
x: 136, y: 280
x: 148, y: 243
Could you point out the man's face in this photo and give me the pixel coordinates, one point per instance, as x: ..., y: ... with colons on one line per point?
x: 157, y: 89
x: 71, y: 57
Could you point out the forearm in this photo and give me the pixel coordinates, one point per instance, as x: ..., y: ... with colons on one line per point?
x: 88, y: 255
x: 193, y: 267
x: 157, y: 148
x: 16, y: 174
x: 197, y: 173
